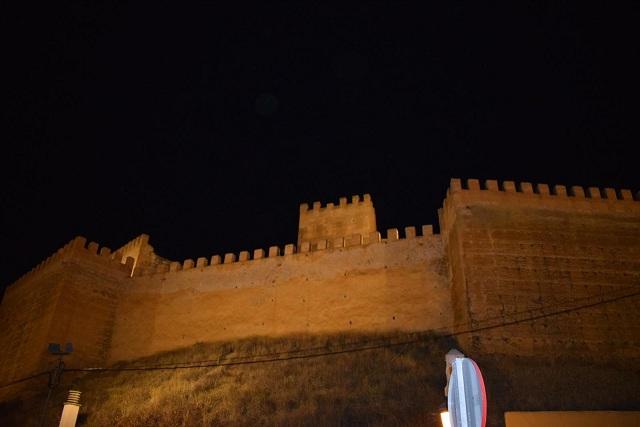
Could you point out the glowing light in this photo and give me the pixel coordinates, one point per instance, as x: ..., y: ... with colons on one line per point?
x: 444, y: 417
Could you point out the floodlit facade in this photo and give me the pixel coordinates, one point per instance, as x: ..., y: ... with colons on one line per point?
x: 517, y: 269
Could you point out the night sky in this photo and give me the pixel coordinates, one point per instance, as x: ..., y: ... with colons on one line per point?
x: 207, y: 126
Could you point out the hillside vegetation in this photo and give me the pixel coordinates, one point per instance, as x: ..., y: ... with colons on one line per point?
x: 320, y: 381
x: 396, y: 385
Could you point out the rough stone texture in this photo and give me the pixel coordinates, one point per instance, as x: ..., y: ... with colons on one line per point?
x: 142, y: 253
x: 401, y: 285
x: 517, y: 256
x: 507, y: 274
x: 26, y: 315
x: 332, y: 222
x: 70, y: 299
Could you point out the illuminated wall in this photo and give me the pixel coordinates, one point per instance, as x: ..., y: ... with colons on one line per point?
x: 336, y: 221
x: 390, y: 284
x: 510, y: 267
x: 69, y: 297
x: 523, y: 252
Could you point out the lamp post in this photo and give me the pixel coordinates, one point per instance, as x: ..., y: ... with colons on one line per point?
x: 56, y: 374
x: 71, y: 409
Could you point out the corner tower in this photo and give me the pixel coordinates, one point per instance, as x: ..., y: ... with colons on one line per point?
x: 331, y: 221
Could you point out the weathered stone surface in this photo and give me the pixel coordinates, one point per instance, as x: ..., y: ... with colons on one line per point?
x: 515, y: 256
x: 402, y: 285
x: 72, y: 297
x: 258, y: 254
x: 409, y: 232
x: 274, y: 251
x: 357, y: 217
x: 510, y: 267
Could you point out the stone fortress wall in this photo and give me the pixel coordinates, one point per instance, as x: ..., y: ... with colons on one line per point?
x: 384, y: 284
x: 507, y: 253
x: 331, y: 221
x: 520, y: 252
x: 69, y: 297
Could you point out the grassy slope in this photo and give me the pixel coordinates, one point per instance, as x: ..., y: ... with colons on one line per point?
x: 398, y: 385
x: 392, y: 386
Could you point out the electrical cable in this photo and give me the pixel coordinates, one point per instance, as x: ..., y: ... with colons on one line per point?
x: 25, y: 379
x: 274, y: 357
x: 356, y: 346
x: 444, y: 329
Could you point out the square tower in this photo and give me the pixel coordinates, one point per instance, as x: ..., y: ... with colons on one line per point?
x: 331, y: 221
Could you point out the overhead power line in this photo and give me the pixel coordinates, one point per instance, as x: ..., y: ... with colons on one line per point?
x: 21, y: 380
x: 534, y: 314
x: 365, y: 345
x: 352, y: 347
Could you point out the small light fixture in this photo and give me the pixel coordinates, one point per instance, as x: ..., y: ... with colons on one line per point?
x: 444, y: 415
x: 71, y: 409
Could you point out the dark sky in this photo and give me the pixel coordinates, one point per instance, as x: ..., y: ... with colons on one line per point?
x: 206, y: 126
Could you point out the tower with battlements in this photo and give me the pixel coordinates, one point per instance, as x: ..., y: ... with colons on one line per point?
x: 515, y: 255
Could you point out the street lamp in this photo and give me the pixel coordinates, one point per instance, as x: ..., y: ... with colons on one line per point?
x: 55, y: 375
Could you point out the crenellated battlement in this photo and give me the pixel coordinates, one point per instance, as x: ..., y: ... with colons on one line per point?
x: 78, y: 247
x: 343, y: 202
x: 134, y: 244
x: 351, y: 241
x: 137, y: 256
x: 142, y: 253
x: 573, y: 198
x: 575, y: 191
x: 52, y: 259
x: 504, y: 247
x: 334, y: 221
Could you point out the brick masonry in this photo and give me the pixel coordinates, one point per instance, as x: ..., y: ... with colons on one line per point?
x: 521, y: 255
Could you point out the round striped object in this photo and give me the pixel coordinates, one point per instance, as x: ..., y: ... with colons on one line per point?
x: 467, y: 400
